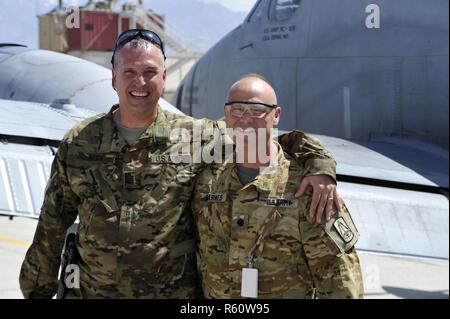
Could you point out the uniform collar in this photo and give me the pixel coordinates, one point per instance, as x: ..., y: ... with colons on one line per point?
x: 158, y: 131
x: 271, y: 181
x: 112, y: 141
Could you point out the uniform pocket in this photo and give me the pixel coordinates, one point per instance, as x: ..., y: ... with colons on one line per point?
x: 165, y: 269
x: 96, y: 223
x: 150, y: 175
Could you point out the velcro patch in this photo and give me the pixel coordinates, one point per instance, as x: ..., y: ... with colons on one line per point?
x: 131, y: 179
x: 240, y: 222
x: 342, y: 231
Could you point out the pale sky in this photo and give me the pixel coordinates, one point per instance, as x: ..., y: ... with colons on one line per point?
x: 236, y: 5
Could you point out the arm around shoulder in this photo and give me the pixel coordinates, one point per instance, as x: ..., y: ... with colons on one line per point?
x: 309, y: 152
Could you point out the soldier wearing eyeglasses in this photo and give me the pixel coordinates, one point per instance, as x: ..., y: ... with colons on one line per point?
x: 256, y: 239
x: 116, y: 173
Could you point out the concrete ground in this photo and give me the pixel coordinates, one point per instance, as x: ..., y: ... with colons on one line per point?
x: 384, y: 276
x: 15, y: 238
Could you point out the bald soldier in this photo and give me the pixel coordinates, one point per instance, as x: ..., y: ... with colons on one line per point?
x: 116, y: 174
x: 256, y: 239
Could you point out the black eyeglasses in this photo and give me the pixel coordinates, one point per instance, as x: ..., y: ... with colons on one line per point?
x: 132, y: 34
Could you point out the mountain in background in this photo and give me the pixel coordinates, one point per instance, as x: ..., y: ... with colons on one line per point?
x: 197, y: 22
x: 205, y: 23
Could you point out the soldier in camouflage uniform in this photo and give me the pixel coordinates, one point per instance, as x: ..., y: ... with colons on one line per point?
x: 256, y: 222
x: 115, y: 173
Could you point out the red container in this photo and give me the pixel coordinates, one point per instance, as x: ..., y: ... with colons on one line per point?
x: 98, y: 32
x: 125, y: 24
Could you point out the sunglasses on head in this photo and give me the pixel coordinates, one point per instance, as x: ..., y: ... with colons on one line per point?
x: 132, y: 34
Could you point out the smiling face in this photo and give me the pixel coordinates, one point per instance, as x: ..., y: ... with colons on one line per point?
x: 253, y: 89
x: 139, y: 78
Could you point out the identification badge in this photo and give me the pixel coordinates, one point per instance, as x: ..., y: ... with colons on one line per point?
x: 249, y: 285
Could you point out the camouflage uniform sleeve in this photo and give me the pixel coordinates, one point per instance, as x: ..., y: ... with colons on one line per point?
x: 39, y: 272
x: 213, y: 135
x: 309, y: 152
x: 331, y: 256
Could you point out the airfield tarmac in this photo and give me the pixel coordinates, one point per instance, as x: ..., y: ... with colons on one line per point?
x: 384, y: 276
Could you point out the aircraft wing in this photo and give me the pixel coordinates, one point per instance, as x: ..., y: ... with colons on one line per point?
x: 391, y: 186
x: 397, y: 192
x: 37, y: 120
x: 24, y: 171
x: 27, y: 132
x: 169, y: 107
x: 392, y: 160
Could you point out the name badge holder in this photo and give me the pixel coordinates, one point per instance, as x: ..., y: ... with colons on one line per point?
x: 249, y: 284
x: 249, y: 279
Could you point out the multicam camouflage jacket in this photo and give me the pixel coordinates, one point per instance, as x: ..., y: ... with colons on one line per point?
x: 136, y: 233
x: 295, y: 257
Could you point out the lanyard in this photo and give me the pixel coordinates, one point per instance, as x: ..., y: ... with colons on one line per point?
x: 269, y: 224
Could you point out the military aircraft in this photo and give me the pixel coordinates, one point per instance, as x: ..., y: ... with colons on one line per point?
x: 370, y: 78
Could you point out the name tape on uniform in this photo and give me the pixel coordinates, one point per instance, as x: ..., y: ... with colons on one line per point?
x: 216, y: 197
x: 169, y: 159
x: 278, y: 202
x: 160, y: 159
